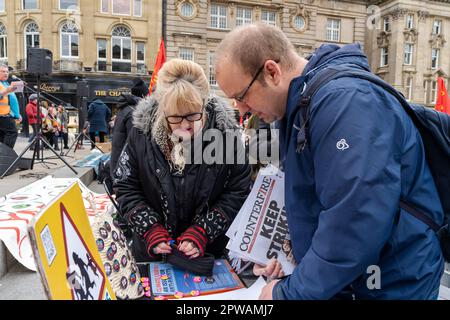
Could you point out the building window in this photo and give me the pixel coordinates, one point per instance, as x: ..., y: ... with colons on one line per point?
x: 430, y: 88
x: 31, y: 36
x: 408, y: 91
x: 3, y: 42
x: 68, y: 4
x: 434, y: 58
x: 299, y: 23
x: 218, y: 16
x: 69, y: 40
x: 2, y: 5
x: 140, y: 58
x: 437, y: 25
x: 137, y: 8
x: 187, y: 10
x: 433, y: 92
x: 384, y: 57
x: 269, y: 17
x: 186, y: 54
x: 410, y: 21
x: 333, y: 30
x: 122, y: 7
x: 29, y: 4
x: 386, y: 24
x: 243, y: 16
x: 212, y: 69
x: 408, y: 54
x: 101, y: 55
x: 104, y: 6
x: 121, y: 49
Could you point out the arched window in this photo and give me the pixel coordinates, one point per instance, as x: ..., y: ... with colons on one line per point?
x: 69, y: 40
x: 3, y: 42
x: 121, y: 49
x: 31, y: 36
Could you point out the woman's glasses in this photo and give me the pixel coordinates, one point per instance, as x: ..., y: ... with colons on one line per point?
x: 191, y: 117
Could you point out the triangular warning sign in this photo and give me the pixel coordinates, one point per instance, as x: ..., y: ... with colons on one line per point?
x: 84, y: 276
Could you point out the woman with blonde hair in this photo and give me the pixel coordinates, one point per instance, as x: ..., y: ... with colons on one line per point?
x: 164, y: 197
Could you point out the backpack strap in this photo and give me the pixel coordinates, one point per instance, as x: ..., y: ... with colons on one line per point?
x: 331, y: 73
x: 317, y: 82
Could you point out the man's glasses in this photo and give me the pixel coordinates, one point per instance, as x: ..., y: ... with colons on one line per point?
x: 191, y: 117
x: 242, y: 96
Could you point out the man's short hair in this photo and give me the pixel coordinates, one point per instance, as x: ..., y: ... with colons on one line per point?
x: 4, y: 66
x: 251, y: 45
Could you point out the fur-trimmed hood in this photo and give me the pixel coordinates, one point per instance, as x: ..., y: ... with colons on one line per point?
x: 220, y: 115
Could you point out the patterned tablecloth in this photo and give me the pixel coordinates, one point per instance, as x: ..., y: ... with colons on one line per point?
x: 18, y: 208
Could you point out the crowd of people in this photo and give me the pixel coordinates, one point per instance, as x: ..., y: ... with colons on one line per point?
x: 54, y: 122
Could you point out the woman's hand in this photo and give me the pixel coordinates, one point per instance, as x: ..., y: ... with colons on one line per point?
x: 161, y: 248
x: 189, y: 249
x: 272, y: 271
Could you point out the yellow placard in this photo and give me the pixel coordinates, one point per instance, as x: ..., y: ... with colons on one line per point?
x: 66, y: 253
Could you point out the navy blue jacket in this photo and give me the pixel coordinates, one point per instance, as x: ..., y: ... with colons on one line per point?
x: 342, y: 192
x: 98, y: 116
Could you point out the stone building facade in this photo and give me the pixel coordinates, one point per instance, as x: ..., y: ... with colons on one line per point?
x: 407, y: 45
x: 195, y: 27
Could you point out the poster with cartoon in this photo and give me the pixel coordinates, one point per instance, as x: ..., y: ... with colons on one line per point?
x: 65, y: 251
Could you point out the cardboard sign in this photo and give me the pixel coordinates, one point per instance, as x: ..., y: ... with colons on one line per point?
x: 65, y: 251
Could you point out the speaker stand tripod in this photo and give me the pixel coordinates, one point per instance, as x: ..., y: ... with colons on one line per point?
x: 39, y: 142
x: 79, y: 141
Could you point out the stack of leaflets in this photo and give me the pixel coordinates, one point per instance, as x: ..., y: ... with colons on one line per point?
x: 260, y: 232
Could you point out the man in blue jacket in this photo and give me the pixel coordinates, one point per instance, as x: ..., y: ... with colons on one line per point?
x: 349, y: 236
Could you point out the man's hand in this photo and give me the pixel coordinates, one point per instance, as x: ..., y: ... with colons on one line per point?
x: 272, y: 271
x: 7, y: 90
x: 266, y: 292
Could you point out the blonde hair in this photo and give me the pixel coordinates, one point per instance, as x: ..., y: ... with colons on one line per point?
x: 182, y: 88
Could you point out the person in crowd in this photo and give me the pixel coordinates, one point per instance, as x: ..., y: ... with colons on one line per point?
x: 99, y: 115
x: 63, y: 120
x: 124, y: 119
x: 161, y: 195
x: 31, y: 111
x: 9, y: 109
x: 51, y: 127
x: 363, y: 154
x: 47, y: 128
x: 258, y: 137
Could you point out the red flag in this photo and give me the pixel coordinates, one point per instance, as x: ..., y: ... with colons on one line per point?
x: 160, y: 60
x: 442, y: 101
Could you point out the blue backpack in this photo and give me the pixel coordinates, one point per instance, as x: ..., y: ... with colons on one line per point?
x: 434, y: 128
